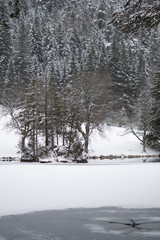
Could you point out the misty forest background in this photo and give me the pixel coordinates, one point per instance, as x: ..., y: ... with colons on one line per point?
x: 65, y: 70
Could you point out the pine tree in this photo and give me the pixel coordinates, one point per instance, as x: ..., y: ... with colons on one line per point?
x: 32, y: 109
x: 22, y: 53
x: 136, y: 14
x: 5, y: 43
x: 55, y: 113
x: 154, y: 134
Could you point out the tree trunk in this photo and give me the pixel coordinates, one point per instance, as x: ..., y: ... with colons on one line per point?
x: 52, y: 132
x: 70, y: 138
x: 86, y: 144
x: 144, y: 141
x: 52, y: 138
x: 46, y: 131
x: 23, y: 143
x: 36, y: 139
x: 33, y: 142
x: 63, y: 136
x: 57, y: 136
x: 46, y: 118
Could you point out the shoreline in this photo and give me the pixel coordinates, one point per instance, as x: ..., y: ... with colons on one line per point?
x: 124, y: 156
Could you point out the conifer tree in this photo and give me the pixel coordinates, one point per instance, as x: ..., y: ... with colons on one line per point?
x: 154, y: 134
x: 33, y: 109
x: 5, y: 44
x: 136, y: 14
x: 55, y: 118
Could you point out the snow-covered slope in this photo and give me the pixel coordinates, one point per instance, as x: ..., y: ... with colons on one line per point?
x: 116, y: 141
x: 8, y: 139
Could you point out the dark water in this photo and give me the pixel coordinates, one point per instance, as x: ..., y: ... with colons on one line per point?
x: 83, y: 224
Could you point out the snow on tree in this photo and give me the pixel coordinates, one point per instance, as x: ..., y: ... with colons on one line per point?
x: 5, y: 47
x: 142, y: 118
x: 63, y: 39
x: 136, y: 14
x: 9, y: 9
x: 154, y: 134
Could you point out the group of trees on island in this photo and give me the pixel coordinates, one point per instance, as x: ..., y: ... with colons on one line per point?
x: 67, y: 67
x: 59, y: 115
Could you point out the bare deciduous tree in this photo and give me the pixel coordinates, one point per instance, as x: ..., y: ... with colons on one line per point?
x: 90, y: 99
x: 142, y: 120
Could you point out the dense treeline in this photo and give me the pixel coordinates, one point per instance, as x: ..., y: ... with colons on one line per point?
x: 56, y: 57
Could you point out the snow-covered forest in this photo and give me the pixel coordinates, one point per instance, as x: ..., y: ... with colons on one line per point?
x: 79, y: 119
x: 67, y: 69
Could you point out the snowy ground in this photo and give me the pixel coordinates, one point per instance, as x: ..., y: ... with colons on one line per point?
x: 30, y: 187
x: 116, y: 141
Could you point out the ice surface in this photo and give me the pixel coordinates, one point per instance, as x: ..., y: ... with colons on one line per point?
x: 26, y: 188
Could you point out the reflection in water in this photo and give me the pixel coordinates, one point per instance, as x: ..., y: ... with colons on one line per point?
x: 148, y: 227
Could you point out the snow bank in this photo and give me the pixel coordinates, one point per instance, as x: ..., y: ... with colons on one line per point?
x: 26, y: 188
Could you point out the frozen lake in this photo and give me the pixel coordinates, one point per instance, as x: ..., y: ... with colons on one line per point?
x: 34, y: 187
x: 88, y: 224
